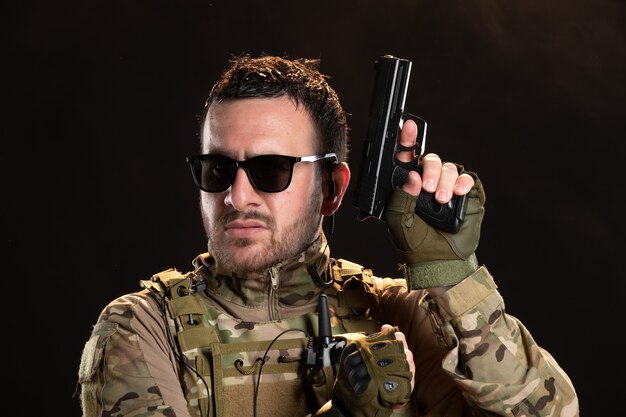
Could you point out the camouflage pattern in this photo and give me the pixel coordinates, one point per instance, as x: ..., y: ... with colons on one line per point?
x: 112, y: 362
x: 278, y: 333
x: 494, y: 358
x: 199, y: 353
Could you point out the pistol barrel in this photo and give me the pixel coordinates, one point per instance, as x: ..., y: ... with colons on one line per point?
x: 374, y: 182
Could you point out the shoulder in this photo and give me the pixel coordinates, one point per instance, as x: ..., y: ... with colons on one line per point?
x: 131, y: 326
x: 130, y: 314
x: 345, y: 271
x: 357, y: 286
x: 145, y: 310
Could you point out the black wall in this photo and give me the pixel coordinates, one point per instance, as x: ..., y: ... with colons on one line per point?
x: 100, y: 106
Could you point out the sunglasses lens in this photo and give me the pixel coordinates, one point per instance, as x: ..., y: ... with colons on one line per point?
x: 267, y: 173
x: 214, y: 173
x: 270, y: 173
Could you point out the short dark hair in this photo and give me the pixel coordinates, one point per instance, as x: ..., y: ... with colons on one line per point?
x: 299, y: 79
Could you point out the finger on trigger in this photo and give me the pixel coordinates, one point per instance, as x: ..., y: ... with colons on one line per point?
x: 408, y: 136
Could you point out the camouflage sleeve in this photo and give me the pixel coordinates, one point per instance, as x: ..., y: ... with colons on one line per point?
x: 493, y: 357
x: 128, y: 367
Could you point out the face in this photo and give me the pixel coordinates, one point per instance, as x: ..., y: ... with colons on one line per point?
x: 249, y: 230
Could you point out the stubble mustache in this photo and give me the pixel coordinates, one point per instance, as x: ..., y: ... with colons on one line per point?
x: 250, y: 215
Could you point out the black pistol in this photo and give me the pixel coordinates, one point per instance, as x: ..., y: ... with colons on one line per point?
x: 380, y: 172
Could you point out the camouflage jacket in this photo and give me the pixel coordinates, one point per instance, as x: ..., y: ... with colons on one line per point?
x: 200, y: 355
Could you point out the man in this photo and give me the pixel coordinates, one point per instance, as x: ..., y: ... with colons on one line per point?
x: 240, y: 335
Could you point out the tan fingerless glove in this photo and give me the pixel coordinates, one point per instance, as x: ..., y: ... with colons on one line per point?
x: 373, y: 374
x: 435, y: 258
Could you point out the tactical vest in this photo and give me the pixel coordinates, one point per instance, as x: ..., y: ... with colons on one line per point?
x: 231, y: 367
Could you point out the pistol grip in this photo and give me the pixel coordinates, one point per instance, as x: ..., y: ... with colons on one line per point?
x: 446, y: 217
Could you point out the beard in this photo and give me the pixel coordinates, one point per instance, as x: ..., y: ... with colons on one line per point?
x: 243, y: 255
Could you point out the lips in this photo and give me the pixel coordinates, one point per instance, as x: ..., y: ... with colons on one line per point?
x: 244, y: 228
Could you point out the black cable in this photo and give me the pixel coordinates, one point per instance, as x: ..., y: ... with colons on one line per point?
x: 258, y: 382
x: 160, y: 300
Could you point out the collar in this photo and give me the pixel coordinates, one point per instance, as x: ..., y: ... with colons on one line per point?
x: 289, y: 281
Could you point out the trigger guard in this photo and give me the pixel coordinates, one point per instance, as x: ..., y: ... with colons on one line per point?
x: 401, y: 172
x: 414, y: 165
x: 401, y: 148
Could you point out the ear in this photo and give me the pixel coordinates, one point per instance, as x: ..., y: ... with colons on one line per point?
x: 340, y: 180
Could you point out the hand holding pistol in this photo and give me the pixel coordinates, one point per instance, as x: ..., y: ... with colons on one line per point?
x: 380, y: 171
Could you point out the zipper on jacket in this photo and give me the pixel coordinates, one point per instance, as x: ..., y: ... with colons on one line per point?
x: 273, y: 294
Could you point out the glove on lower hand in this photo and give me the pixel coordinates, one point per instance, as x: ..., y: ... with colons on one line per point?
x: 435, y: 258
x: 373, y: 374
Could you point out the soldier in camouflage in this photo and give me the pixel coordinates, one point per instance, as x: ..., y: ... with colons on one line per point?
x: 234, y: 336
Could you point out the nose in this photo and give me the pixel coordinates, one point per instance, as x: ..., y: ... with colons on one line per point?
x: 241, y: 193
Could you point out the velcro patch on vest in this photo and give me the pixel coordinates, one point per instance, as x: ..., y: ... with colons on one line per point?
x: 94, y: 350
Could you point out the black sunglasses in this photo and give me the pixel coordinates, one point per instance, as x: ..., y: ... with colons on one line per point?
x: 267, y: 173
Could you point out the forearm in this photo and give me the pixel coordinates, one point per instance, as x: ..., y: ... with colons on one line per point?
x: 493, y: 357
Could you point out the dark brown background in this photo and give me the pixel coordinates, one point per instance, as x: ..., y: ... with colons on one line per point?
x: 101, y: 100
